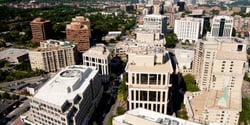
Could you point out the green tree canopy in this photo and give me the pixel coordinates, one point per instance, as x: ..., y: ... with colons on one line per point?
x: 190, y: 83
x: 171, y: 40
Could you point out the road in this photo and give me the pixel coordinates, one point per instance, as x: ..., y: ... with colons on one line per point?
x: 28, y: 80
x: 18, y: 111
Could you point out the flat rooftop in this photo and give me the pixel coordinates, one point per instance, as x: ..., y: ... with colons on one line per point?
x: 151, y: 117
x: 66, y: 84
x: 49, y: 45
x: 12, y: 53
x: 99, y: 51
x: 215, y: 99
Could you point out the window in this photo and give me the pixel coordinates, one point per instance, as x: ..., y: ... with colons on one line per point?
x: 143, y: 95
x: 144, y: 78
x: 152, y: 96
x: 239, y: 47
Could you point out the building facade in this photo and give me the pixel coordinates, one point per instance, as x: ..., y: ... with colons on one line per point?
x: 52, y: 55
x: 188, y: 29
x: 79, y: 32
x: 222, y: 26
x: 155, y: 23
x: 99, y: 57
x: 69, y: 98
x: 149, y: 72
x: 41, y: 29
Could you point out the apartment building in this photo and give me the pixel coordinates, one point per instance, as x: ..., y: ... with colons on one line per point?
x: 41, y: 29
x: 78, y: 31
x: 99, y: 57
x: 222, y: 26
x: 188, y: 29
x: 219, y: 67
x: 69, y: 98
x: 149, y: 69
x: 155, y: 23
x: 52, y: 55
x: 140, y: 116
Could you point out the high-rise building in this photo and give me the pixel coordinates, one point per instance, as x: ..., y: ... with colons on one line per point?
x: 140, y: 116
x: 69, y: 98
x: 79, y: 32
x: 52, y: 55
x: 219, y: 67
x: 99, y: 57
x: 149, y: 70
x: 155, y: 23
x: 83, y: 21
x: 219, y: 63
x: 188, y: 29
x: 41, y: 29
x: 222, y: 26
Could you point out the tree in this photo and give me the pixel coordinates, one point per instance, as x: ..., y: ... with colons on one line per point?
x: 245, y: 113
x: 190, y: 83
x: 6, y: 95
x: 171, y: 40
x: 15, y: 97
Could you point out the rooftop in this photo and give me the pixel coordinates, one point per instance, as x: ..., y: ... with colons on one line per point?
x: 51, y: 44
x: 213, y: 100
x: 12, y: 53
x: 66, y: 84
x: 226, y: 47
x: 150, y: 117
x: 40, y: 20
x: 76, y: 26
x: 155, y: 16
x: 99, y: 50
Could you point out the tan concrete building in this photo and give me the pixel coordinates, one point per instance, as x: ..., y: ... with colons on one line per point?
x: 41, y: 29
x: 140, y: 116
x: 99, y: 57
x: 220, y: 63
x: 69, y: 98
x: 52, y: 55
x: 79, y: 32
x: 149, y: 70
x: 219, y: 67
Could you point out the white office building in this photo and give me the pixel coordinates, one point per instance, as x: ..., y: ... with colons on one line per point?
x: 99, y: 57
x: 185, y: 59
x: 149, y: 70
x: 222, y: 26
x: 69, y: 98
x: 155, y: 23
x: 188, y: 29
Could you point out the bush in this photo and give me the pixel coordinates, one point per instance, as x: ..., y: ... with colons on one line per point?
x: 120, y: 110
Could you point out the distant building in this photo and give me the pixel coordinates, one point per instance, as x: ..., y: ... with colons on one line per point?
x: 79, y: 32
x: 188, y: 29
x: 99, y: 57
x: 222, y: 26
x: 41, y: 29
x: 52, y: 55
x: 140, y: 116
x: 69, y: 98
x: 149, y: 70
x: 181, y: 6
x: 241, y: 24
x: 155, y: 23
x: 14, y: 56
